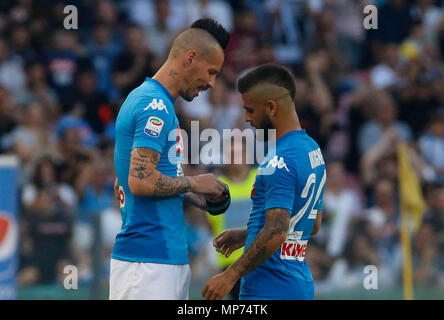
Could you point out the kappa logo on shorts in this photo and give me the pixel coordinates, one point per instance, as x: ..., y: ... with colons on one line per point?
x: 154, y: 126
x: 156, y: 105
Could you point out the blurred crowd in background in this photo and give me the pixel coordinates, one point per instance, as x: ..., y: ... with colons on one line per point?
x: 359, y: 93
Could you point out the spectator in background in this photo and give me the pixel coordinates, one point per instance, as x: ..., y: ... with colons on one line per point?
x: 384, y: 222
x: 95, y: 190
x: 72, y: 151
x: 288, y: 27
x: 350, y: 34
x: 96, y: 195
x: 320, y: 97
x: 345, y: 272
x: 225, y: 114
x: 420, y: 98
x: 394, y: 21
x: 326, y: 37
x: 97, y: 110
x: 385, y: 74
x: 341, y: 205
x: 144, y: 14
x: 75, y: 120
x: 160, y: 32
x: 32, y: 137
x: 431, y: 145
x: 62, y: 62
x: 430, y: 14
x: 12, y: 73
x: 108, y: 14
x: 134, y: 64
x: 430, y: 241
x: 102, y: 49
x: 21, y: 42
x: 45, y: 175
x: 384, y: 122
x: 49, y: 229
x: 9, y: 119
x: 243, y: 47
x: 37, y: 89
x: 308, y: 116
x: 218, y: 10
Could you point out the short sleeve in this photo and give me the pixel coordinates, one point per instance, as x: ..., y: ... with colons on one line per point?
x: 152, y: 125
x: 280, y: 179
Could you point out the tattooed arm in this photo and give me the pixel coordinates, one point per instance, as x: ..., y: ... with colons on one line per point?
x: 145, y: 180
x: 267, y: 241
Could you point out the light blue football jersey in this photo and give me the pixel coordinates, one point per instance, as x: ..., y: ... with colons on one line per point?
x: 153, y: 228
x: 292, y: 177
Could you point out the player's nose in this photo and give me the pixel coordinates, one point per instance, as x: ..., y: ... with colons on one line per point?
x: 210, y: 84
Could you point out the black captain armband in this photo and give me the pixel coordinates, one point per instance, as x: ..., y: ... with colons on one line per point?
x: 218, y: 207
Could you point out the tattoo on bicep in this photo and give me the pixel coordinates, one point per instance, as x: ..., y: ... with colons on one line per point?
x: 277, y: 220
x: 143, y: 162
x: 143, y: 165
x: 173, y: 74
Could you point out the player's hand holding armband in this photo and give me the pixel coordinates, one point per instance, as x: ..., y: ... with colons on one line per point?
x: 216, y: 193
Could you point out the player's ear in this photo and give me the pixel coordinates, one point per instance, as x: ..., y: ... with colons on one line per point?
x: 190, y: 55
x: 271, y: 107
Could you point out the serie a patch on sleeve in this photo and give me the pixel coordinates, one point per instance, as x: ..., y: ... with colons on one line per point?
x: 154, y: 126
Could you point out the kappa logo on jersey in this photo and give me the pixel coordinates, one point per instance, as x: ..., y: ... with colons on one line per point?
x: 154, y: 126
x: 156, y: 105
x: 275, y: 163
x: 294, y: 250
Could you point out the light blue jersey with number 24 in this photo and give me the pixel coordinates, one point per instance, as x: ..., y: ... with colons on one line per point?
x: 292, y: 177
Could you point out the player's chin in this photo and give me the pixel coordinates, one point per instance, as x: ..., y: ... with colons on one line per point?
x: 190, y: 95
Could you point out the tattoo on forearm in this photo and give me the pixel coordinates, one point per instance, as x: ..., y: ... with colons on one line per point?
x: 143, y: 165
x: 264, y: 246
x: 173, y: 74
x: 166, y: 186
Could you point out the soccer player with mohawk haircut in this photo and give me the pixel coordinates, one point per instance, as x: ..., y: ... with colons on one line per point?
x: 287, y: 199
x: 150, y: 256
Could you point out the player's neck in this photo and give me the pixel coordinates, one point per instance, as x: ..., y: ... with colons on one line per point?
x: 169, y: 77
x: 287, y: 123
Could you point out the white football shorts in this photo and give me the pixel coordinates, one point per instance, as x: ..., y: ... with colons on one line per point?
x: 148, y: 281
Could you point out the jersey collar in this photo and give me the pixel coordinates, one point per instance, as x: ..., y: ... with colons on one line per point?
x: 168, y: 94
